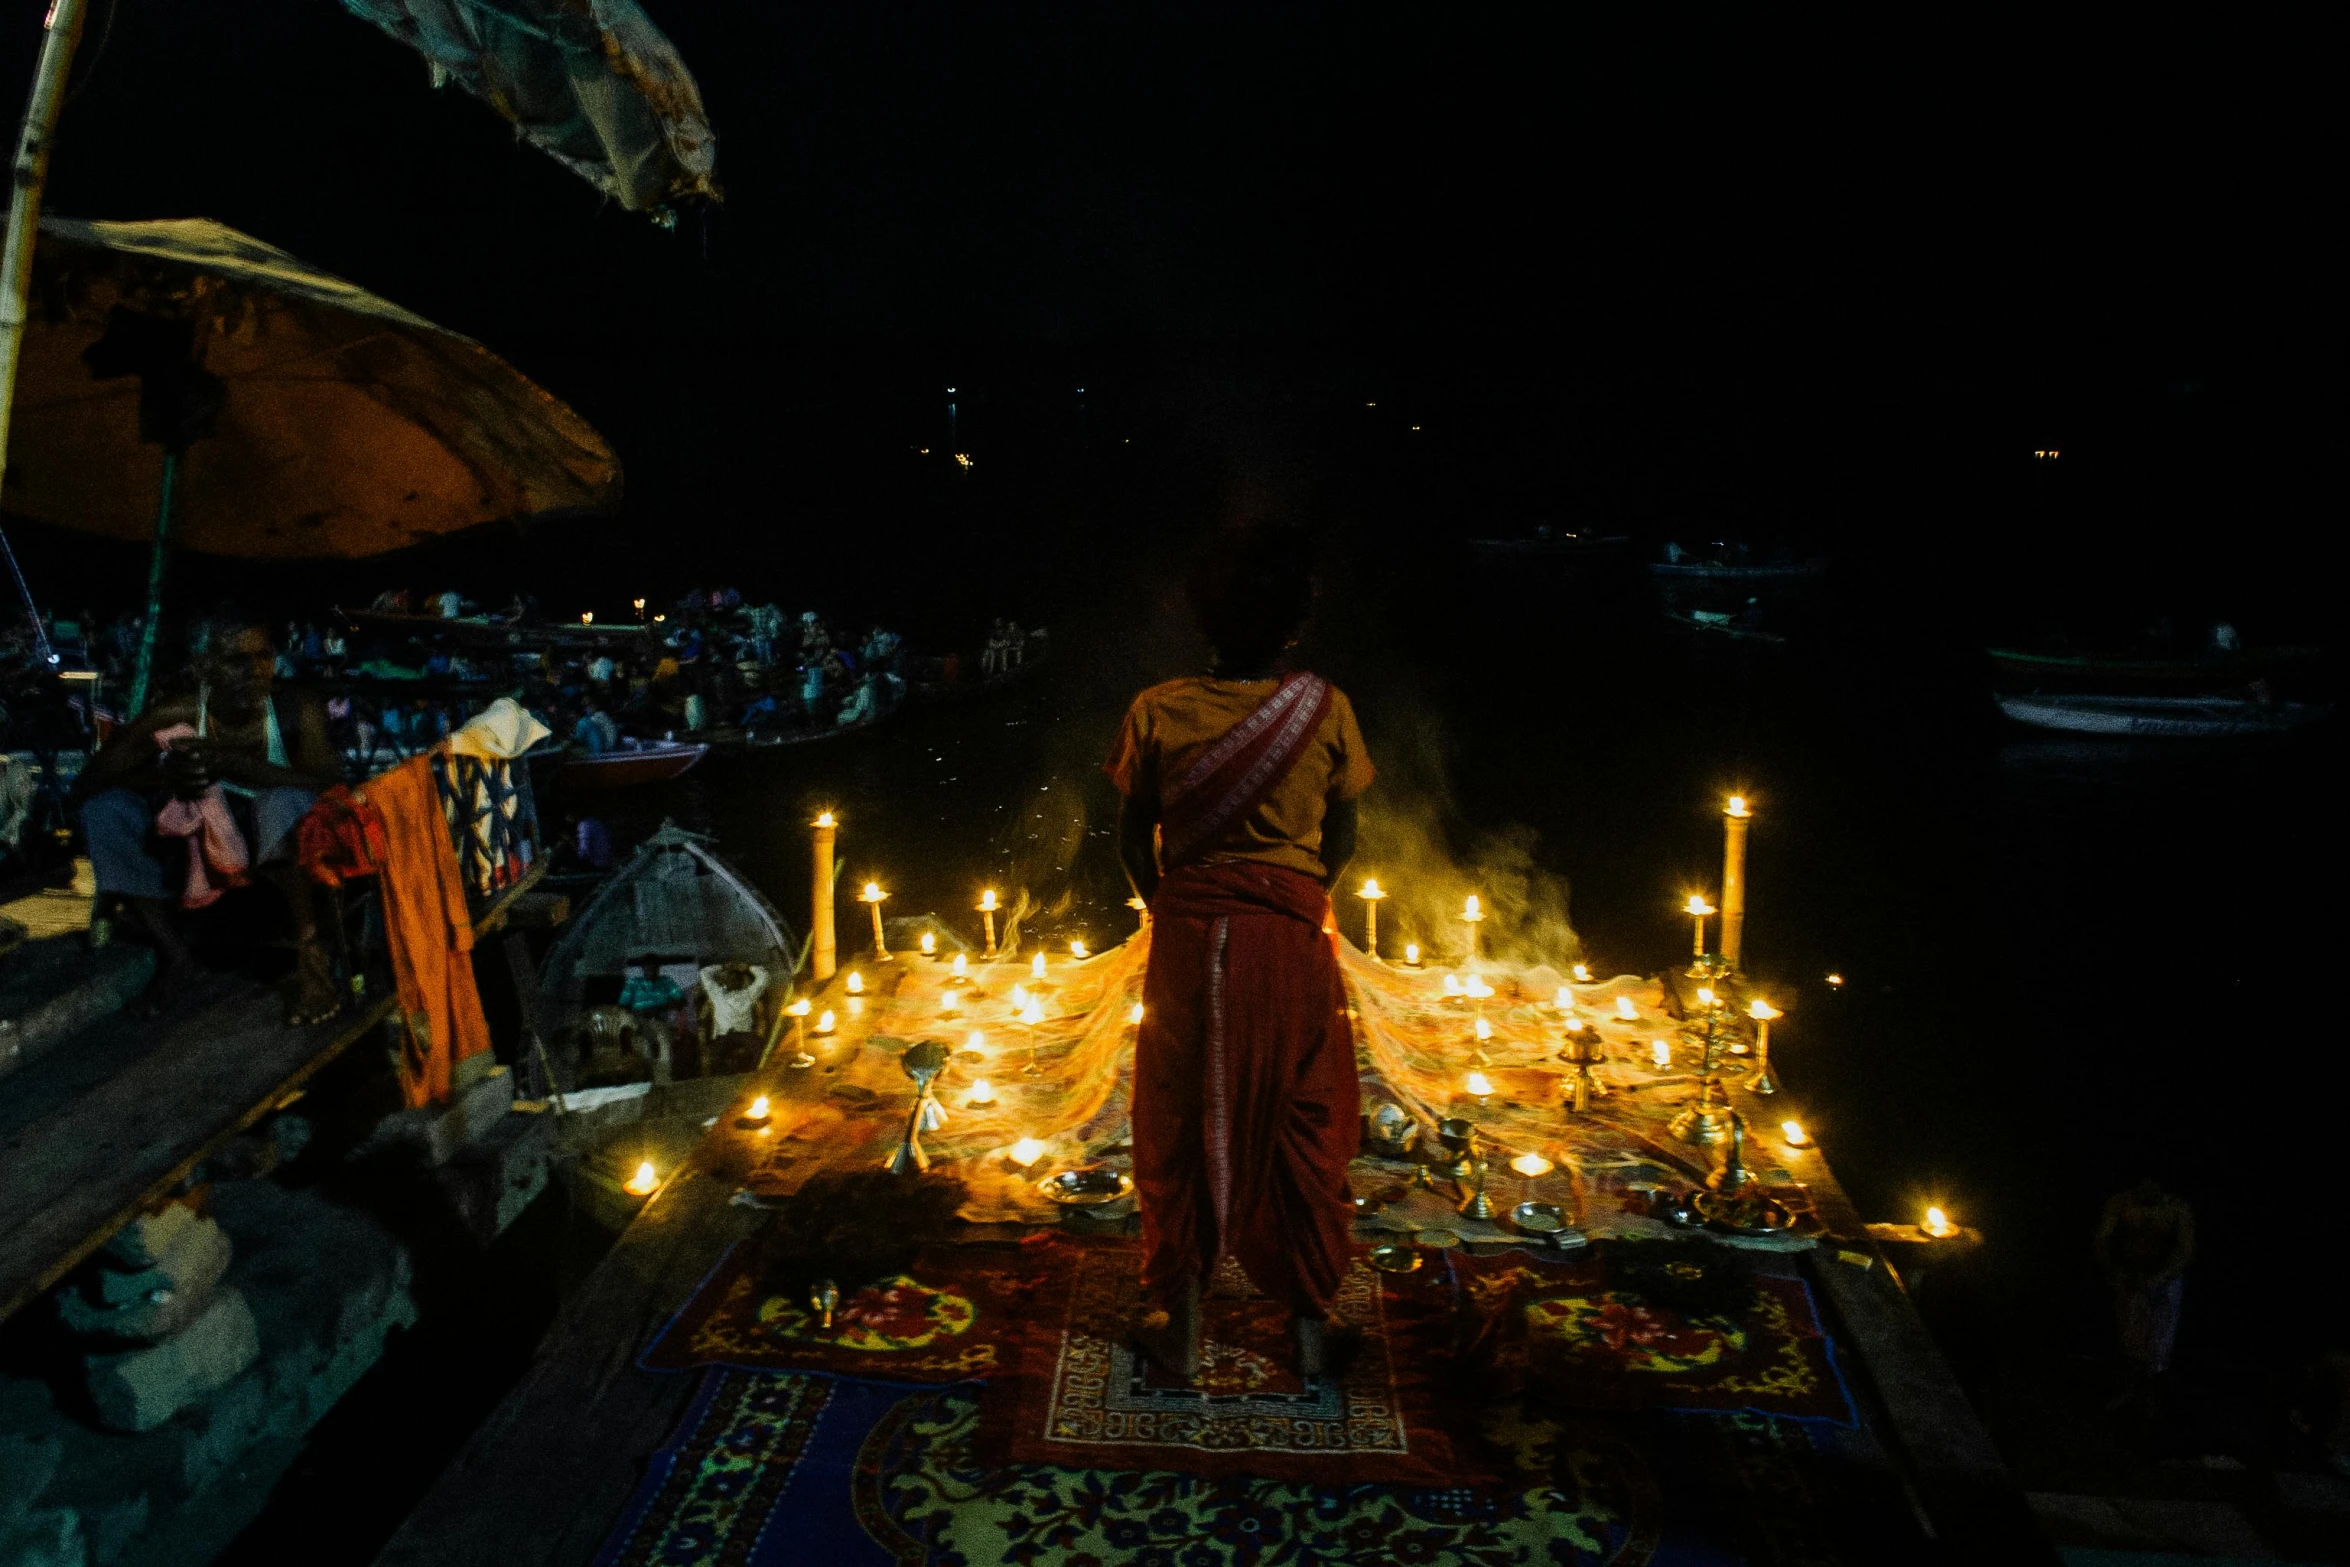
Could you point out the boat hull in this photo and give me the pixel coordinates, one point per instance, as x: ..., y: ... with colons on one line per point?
x: 625, y: 769
x: 2161, y: 718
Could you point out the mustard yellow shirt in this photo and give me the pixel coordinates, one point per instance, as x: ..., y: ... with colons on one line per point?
x: 1170, y: 725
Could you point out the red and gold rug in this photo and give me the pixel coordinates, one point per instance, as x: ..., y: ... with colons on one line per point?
x: 957, y: 1316
x: 1598, y: 1334
x: 1082, y: 1396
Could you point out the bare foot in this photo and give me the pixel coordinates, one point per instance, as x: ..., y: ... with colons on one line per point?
x: 311, y: 993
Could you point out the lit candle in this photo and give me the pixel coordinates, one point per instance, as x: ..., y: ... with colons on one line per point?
x: 798, y: 1013
x: 1452, y: 985
x: 1582, y: 973
x: 1411, y: 954
x: 1479, y: 1085
x: 1796, y: 1136
x: 1471, y: 913
x: 1625, y: 1013
x: 1660, y: 1052
x: 756, y: 1115
x: 1763, y: 1014
x: 1566, y: 1001
x: 856, y: 985
x: 1531, y: 1165
x: 644, y: 1182
x: 1484, y: 1031
x: 1036, y: 966
x: 987, y: 919
x: 1370, y: 894
x: 824, y: 1023
x: 976, y: 1042
x: 980, y: 1094
x: 1026, y: 1152
x: 1698, y: 909
x: 587, y: 617
x: 1077, y: 949
x: 1019, y: 998
x: 1938, y: 1224
x: 959, y: 969
x: 1475, y: 988
x: 1735, y: 817
x: 872, y: 898
x: 1032, y: 1014
x: 930, y: 944
x: 951, y: 1002
x: 826, y: 940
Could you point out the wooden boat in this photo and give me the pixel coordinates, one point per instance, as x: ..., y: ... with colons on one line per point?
x: 675, y: 907
x: 498, y: 631
x: 643, y: 762
x: 1550, y: 548
x: 1722, y: 623
x: 2094, y: 672
x: 1729, y: 572
x: 2160, y: 717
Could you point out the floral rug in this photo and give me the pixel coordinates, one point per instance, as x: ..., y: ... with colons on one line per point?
x: 1082, y: 1395
x: 1603, y: 1333
x: 957, y: 1317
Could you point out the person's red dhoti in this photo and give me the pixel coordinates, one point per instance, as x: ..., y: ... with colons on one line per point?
x: 1247, y: 1109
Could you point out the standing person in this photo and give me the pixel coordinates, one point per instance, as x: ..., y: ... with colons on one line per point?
x: 1239, y: 815
x: 2144, y: 1242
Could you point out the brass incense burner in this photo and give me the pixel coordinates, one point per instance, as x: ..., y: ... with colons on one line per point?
x: 1707, y: 1119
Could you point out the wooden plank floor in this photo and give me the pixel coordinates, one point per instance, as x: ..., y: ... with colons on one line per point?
x: 110, y: 1122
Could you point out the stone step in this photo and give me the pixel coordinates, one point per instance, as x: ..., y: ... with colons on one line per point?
x: 52, y: 989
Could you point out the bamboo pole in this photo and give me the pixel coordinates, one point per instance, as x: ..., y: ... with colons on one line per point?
x: 1735, y: 820
x: 29, y: 174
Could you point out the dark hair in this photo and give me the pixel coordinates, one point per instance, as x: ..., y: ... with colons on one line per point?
x: 1251, y: 592
x: 216, y: 627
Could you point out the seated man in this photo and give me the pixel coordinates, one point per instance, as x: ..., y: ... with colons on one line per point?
x: 270, y: 754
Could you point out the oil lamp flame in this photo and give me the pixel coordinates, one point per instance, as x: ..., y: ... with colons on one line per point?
x: 1026, y: 1152
x: 1476, y: 986
x: 1484, y: 1029
x: 1077, y: 949
x: 1531, y: 1165
x: 799, y: 1008
x: 872, y: 893
x: 976, y: 1041
x: 1582, y: 973
x: 1134, y: 1013
x: 825, y: 1023
x: 1452, y: 984
x: 825, y: 819
x: 1796, y: 1136
x: 1705, y: 995
x: 929, y: 944
x: 1033, y: 1013
x: 1762, y: 1011
x: 643, y: 1183
x: 1479, y: 1084
x: 1566, y: 999
x: 961, y: 967
x: 758, y: 1110
x: 980, y: 1093
x: 856, y: 985
x: 1037, y: 967
x: 1660, y: 1053
x: 1835, y: 982
x: 1938, y: 1224
x: 1737, y: 806
x: 1411, y: 952
x: 1371, y: 890
x: 1019, y: 997
x: 1472, y: 910
x: 1697, y: 906
x: 987, y: 900
x: 1624, y: 1009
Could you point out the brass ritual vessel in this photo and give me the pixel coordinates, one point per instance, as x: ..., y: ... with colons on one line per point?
x: 1585, y: 1050
x: 922, y: 1062
x: 1476, y: 1205
x: 1733, y: 1176
x: 1707, y: 1119
x: 1459, y: 1138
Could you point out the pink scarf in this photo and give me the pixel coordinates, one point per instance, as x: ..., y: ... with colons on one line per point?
x: 215, y: 847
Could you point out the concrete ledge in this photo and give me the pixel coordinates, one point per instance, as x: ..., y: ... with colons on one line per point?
x: 51, y: 990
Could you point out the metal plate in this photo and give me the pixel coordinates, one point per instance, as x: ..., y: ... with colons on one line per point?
x: 1743, y: 1215
x: 1397, y: 1257
x: 1086, y: 1188
x: 1438, y: 1239
x: 1538, y: 1218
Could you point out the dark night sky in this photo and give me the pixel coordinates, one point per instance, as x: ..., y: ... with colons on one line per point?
x: 1700, y: 231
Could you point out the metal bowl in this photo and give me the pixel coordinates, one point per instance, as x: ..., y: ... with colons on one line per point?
x: 1538, y: 1218
x: 1086, y: 1188
x: 1396, y: 1257
x: 1744, y: 1215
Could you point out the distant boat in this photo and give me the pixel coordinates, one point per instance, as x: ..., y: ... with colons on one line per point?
x: 1738, y: 572
x: 1722, y: 623
x: 1542, y: 548
x: 645, y: 761
x: 2160, y: 717
x: 2109, y: 672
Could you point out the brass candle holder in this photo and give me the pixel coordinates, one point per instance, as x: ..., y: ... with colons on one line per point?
x: 1370, y: 894
x: 1733, y: 1175
x: 1476, y: 1204
x: 1459, y: 1138
x: 873, y: 897
x: 1764, y: 1014
x: 1706, y: 1119
x: 1584, y: 1050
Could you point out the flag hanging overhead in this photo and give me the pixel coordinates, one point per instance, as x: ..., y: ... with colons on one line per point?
x: 593, y: 83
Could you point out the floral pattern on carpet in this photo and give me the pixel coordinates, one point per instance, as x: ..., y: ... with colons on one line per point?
x: 1583, y: 1498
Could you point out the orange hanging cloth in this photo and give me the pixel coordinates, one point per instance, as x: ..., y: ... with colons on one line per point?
x: 430, y: 931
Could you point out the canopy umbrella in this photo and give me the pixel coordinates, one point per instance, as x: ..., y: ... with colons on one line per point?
x: 299, y: 416
x: 592, y: 83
